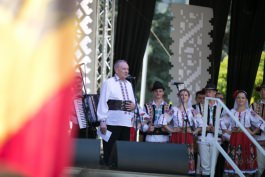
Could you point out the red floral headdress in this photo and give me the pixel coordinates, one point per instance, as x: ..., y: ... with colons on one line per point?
x: 239, y: 91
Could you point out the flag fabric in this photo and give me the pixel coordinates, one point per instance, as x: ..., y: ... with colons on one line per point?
x: 36, y: 75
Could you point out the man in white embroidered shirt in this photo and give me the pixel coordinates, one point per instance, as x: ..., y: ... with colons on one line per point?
x: 115, y: 110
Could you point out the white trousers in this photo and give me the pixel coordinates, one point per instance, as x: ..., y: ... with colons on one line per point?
x: 205, y: 150
x: 261, y: 162
x: 157, y: 138
x: 198, y: 167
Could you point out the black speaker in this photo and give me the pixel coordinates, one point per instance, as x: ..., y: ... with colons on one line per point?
x: 152, y: 157
x: 87, y: 152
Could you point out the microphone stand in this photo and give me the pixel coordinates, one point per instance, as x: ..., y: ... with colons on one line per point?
x: 137, y: 114
x: 187, y: 121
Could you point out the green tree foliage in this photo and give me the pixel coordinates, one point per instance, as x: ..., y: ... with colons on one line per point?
x: 158, y: 60
x: 259, y: 78
x: 222, y: 82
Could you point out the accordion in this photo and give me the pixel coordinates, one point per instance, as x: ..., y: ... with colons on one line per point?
x: 90, y: 107
x: 86, y: 110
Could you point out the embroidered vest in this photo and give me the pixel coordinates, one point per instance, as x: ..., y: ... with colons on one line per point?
x: 199, y: 107
x: 213, y: 115
x: 259, y: 108
x: 150, y: 109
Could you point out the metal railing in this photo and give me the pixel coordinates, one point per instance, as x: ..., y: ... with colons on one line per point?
x: 215, y: 140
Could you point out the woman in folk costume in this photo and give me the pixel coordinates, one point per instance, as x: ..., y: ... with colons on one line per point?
x: 241, y: 150
x: 187, y: 122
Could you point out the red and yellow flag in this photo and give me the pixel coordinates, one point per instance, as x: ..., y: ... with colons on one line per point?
x: 36, y: 73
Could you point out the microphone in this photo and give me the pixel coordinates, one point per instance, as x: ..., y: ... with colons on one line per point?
x: 129, y: 77
x: 177, y: 83
x: 79, y: 65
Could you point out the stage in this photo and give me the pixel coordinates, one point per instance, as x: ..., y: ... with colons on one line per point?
x: 88, y: 172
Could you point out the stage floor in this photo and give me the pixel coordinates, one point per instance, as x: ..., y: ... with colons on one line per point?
x: 87, y: 172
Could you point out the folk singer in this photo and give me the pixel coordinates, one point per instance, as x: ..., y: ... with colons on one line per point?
x: 116, y: 110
